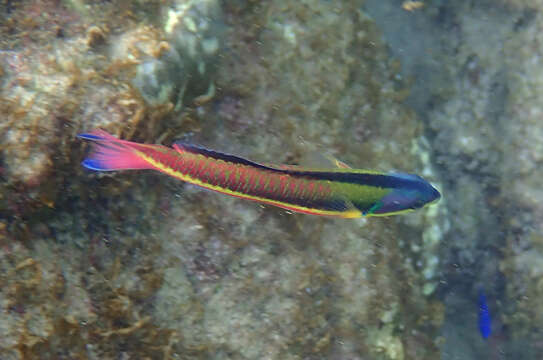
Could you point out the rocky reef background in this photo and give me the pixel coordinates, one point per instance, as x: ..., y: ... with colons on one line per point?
x: 135, y: 265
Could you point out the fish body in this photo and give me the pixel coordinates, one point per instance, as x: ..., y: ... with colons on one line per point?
x: 340, y: 192
x: 484, y: 319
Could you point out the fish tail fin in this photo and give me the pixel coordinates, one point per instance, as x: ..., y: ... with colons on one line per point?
x: 109, y: 153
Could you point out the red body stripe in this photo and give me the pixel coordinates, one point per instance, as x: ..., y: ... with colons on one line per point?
x: 310, y: 190
x: 231, y: 181
x: 301, y: 188
x: 261, y: 183
x: 242, y: 178
x: 320, y: 191
x: 200, y: 168
x: 282, y: 190
x: 272, y: 184
x: 213, y: 174
x: 184, y: 166
x: 170, y: 160
x: 251, y: 182
x: 292, y: 187
x: 189, y: 167
x: 221, y: 175
x: 179, y: 164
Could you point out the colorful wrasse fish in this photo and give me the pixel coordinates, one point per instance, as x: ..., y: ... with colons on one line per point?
x: 341, y: 192
x: 485, y: 322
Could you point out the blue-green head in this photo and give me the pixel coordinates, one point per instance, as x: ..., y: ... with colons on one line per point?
x: 407, y: 192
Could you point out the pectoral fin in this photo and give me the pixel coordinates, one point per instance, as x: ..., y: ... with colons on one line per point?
x: 337, y: 163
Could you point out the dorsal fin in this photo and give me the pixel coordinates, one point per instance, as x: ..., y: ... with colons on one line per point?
x: 195, y: 149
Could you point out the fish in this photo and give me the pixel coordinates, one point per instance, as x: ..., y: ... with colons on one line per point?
x: 336, y: 192
x: 484, y: 319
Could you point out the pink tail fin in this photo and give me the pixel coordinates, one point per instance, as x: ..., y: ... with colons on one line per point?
x: 109, y: 153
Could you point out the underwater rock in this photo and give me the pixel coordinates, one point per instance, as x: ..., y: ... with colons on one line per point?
x: 139, y: 265
x: 193, y: 30
x: 522, y: 181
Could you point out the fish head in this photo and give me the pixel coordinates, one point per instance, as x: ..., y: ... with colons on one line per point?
x: 414, y: 194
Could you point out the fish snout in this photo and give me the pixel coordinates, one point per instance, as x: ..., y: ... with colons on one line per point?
x: 435, y: 195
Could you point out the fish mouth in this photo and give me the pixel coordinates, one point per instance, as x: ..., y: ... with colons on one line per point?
x: 435, y: 195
